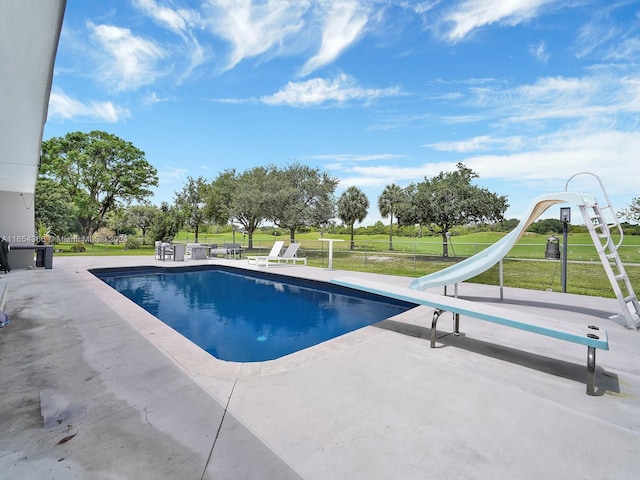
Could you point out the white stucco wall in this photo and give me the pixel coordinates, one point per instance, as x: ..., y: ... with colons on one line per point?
x: 17, y: 225
x: 29, y: 34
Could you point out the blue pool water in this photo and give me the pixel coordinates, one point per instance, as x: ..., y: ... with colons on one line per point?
x: 237, y: 316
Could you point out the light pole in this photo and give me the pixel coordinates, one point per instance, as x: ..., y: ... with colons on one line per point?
x: 565, y: 218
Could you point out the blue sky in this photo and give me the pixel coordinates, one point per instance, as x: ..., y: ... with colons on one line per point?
x: 524, y: 92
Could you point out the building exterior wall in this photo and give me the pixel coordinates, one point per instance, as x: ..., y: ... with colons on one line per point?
x: 17, y: 220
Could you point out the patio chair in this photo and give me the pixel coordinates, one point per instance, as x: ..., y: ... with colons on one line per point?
x: 289, y: 256
x: 274, y: 253
x: 167, y: 251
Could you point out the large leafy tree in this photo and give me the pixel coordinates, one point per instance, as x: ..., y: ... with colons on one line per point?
x: 449, y: 199
x: 632, y: 212
x: 300, y: 196
x: 191, y: 203
x: 167, y: 224
x: 220, y: 196
x: 54, y: 208
x: 251, y: 201
x: 546, y: 226
x: 142, y: 217
x: 116, y: 221
x: 99, y: 171
x: 242, y: 198
x: 353, y: 205
x: 407, y: 211
x: 389, y: 203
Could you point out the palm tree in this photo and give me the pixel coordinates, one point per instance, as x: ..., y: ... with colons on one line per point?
x: 352, y: 207
x: 388, y: 203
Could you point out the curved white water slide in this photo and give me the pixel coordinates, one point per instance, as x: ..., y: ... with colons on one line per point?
x: 490, y: 256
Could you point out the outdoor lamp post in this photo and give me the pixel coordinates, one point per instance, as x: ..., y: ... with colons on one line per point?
x: 565, y: 218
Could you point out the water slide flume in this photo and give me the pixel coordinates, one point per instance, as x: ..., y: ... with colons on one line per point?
x: 490, y: 256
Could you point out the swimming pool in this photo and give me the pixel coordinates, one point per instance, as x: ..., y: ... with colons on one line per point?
x: 243, y: 316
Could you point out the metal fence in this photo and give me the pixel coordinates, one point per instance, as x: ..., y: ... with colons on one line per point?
x: 366, y: 252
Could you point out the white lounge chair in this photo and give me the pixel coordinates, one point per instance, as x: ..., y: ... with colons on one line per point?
x: 274, y: 253
x: 289, y: 256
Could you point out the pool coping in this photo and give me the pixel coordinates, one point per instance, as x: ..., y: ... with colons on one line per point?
x: 197, y: 362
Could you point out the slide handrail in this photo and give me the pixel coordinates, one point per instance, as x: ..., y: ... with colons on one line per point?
x: 609, y: 206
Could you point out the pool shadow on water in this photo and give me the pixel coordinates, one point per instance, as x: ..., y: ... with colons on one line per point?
x: 605, y: 381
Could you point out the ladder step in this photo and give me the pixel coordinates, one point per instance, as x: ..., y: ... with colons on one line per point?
x: 630, y: 298
x: 620, y: 277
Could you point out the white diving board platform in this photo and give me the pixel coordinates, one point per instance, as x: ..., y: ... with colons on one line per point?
x: 590, y: 336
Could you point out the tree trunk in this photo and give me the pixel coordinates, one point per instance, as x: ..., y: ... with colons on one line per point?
x: 352, y: 244
x: 391, y: 233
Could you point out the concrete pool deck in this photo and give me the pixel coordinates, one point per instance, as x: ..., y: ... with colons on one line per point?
x: 92, y: 386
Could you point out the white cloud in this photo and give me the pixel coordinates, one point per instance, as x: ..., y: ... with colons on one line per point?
x: 557, y: 126
x: 612, y: 155
x: 318, y: 91
x: 594, y: 35
x: 284, y: 27
x: 182, y: 22
x: 344, y: 23
x: 592, y: 98
x: 423, y: 7
x: 480, y: 143
x: 179, y: 20
x: 153, y: 98
x: 382, y: 175
x: 539, y: 52
x: 628, y: 50
x: 353, y: 157
x: 233, y: 101
x: 470, y: 15
x: 67, y: 108
x: 254, y: 29
x: 172, y: 174
x: 127, y: 61
x: 345, y: 161
x: 543, y: 165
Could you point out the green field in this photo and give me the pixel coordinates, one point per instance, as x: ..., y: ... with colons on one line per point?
x: 525, y: 266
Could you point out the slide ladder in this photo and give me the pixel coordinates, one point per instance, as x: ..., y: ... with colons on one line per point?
x: 600, y: 222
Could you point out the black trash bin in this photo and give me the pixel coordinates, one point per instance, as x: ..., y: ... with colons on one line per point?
x: 40, y: 257
x: 553, y: 248
x: 4, y: 254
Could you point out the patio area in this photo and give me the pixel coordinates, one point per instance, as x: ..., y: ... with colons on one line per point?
x: 92, y: 386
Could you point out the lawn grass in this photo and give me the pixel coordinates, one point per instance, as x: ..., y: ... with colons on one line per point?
x: 524, y: 266
x: 100, y: 249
